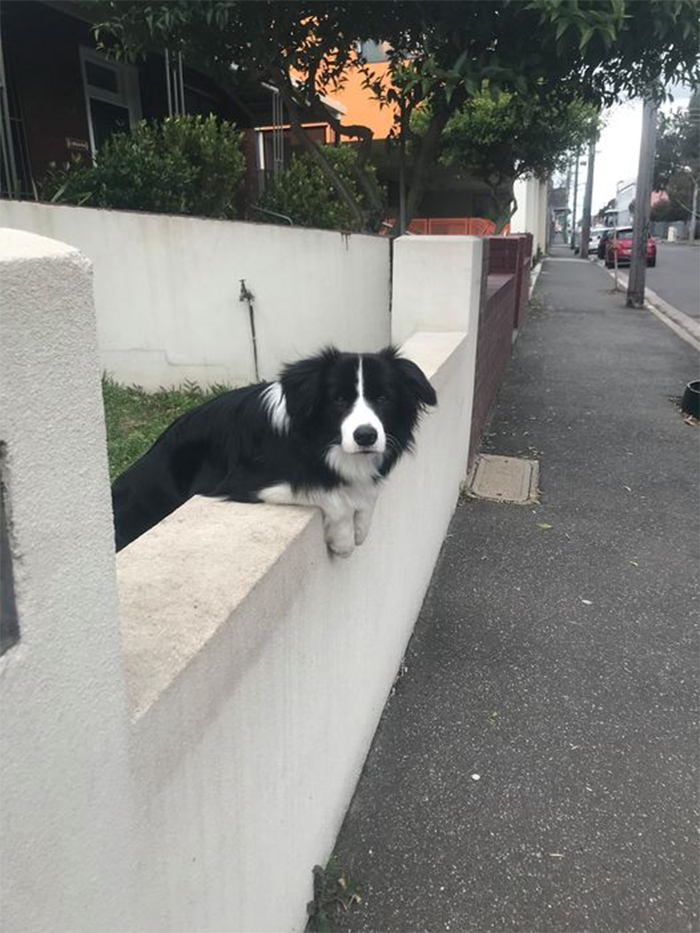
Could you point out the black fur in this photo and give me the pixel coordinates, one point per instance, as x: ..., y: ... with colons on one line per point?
x: 229, y: 447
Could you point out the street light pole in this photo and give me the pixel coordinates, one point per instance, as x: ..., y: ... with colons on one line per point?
x: 640, y: 224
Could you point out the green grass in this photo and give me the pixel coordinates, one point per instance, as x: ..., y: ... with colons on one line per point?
x: 135, y: 418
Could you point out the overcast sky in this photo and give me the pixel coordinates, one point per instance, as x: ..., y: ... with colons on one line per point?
x: 617, y: 153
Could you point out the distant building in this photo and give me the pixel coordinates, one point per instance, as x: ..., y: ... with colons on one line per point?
x: 624, y: 196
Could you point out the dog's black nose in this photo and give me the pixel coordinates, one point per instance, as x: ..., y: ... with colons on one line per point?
x: 365, y: 435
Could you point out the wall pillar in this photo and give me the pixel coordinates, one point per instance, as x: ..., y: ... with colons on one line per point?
x: 65, y: 859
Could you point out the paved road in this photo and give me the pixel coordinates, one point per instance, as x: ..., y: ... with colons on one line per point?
x: 676, y: 277
x: 557, y: 663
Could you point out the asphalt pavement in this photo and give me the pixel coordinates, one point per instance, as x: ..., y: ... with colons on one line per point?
x: 676, y: 276
x: 537, y: 767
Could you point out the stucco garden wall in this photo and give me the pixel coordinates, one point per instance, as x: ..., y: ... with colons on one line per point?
x: 167, y: 291
x: 183, y: 761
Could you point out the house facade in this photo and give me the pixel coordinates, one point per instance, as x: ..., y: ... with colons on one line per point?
x: 59, y: 95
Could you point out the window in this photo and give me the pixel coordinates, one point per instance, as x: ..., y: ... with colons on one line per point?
x: 374, y: 52
x: 111, y: 96
x: 290, y: 145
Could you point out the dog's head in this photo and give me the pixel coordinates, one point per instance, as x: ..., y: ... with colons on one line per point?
x: 357, y: 405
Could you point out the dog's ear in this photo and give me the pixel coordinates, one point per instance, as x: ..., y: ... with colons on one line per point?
x: 411, y: 376
x: 302, y: 383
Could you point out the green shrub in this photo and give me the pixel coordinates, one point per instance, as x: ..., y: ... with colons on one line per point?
x: 183, y: 165
x: 305, y: 194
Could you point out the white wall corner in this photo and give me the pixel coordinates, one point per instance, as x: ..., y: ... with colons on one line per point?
x: 436, y: 285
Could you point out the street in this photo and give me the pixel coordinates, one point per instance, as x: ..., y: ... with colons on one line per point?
x: 676, y: 277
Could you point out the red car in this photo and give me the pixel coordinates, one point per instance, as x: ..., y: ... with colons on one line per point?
x: 620, y: 242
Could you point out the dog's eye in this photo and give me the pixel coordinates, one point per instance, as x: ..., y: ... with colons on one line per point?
x: 380, y: 399
x: 340, y: 400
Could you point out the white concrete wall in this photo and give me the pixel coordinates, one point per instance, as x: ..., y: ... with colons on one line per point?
x: 437, y: 283
x: 167, y: 291
x: 531, y: 215
x: 257, y: 690
x: 542, y: 216
x: 66, y: 832
x: 256, y: 665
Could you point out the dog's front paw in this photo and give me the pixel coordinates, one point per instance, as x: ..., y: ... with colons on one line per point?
x: 341, y: 550
x: 340, y: 536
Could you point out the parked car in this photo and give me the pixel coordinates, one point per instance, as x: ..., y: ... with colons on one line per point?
x: 595, y: 235
x: 602, y: 242
x: 619, y: 244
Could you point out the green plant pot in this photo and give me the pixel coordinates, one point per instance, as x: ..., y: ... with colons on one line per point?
x: 691, y: 399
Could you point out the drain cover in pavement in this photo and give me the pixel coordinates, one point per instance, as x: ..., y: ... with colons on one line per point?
x: 504, y: 479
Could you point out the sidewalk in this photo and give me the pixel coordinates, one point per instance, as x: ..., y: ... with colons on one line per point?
x: 537, y: 768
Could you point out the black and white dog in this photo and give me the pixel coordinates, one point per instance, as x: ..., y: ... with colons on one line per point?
x: 325, y: 434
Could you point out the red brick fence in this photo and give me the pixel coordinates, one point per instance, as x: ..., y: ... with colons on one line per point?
x: 504, y: 300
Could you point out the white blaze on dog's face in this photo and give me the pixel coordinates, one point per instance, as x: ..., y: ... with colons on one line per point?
x: 361, y: 431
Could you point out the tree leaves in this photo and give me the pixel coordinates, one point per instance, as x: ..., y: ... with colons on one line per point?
x: 441, y: 54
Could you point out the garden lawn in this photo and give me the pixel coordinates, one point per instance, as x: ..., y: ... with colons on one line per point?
x: 135, y: 418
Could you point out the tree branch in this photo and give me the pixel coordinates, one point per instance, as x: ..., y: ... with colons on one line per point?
x: 427, y: 153
x: 315, y: 153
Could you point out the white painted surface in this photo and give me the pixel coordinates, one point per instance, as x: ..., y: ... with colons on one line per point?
x: 437, y: 281
x: 167, y: 291
x: 65, y: 857
x: 540, y: 240
x: 256, y: 665
x: 531, y: 215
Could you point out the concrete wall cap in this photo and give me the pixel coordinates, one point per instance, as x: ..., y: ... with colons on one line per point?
x: 18, y: 245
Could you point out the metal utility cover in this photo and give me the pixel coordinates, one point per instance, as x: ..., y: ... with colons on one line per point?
x: 504, y: 479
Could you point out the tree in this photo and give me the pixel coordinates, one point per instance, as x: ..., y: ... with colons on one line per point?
x: 677, y: 145
x: 302, y: 49
x: 593, y: 50
x: 440, y: 54
x: 677, y: 161
x: 500, y: 138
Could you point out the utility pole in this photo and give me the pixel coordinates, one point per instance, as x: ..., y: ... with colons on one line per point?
x: 573, y: 213
x: 588, y: 199
x: 694, y: 212
x: 640, y: 236
x: 565, y: 231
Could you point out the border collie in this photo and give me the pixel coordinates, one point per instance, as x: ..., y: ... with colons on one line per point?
x: 325, y: 434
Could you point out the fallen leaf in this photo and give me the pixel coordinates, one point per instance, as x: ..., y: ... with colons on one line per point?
x: 544, y: 525
x: 586, y: 602
x: 634, y: 563
x: 627, y: 488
